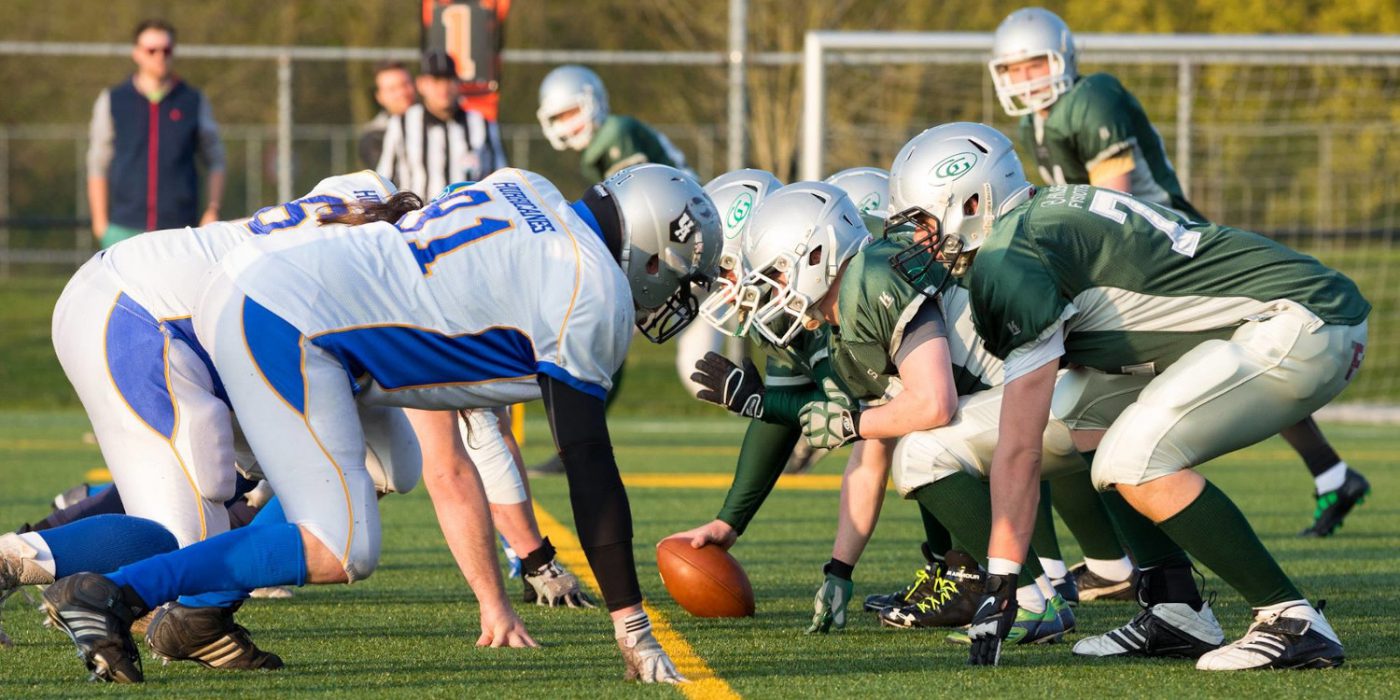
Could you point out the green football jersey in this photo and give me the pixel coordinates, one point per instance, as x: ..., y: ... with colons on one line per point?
x: 795, y: 365
x: 874, y: 305
x: 1137, y: 285
x: 625, y: 141
x: 1098, y: 119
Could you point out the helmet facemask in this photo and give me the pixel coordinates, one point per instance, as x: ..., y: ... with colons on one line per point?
x: 1028, y: 96
x: 771, y: 299
x: 668, y: 320
x: 575, y: 131
x: 933, y: 246
x: 722, y: 304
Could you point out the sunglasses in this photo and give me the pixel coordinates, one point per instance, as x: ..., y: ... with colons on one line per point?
x: 153, y: 50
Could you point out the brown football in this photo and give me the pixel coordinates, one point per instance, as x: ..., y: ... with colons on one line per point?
x: 707, y: 582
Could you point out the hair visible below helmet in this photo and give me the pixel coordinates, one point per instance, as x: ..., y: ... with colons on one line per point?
x: 1029, y: 33
x: 736, y: 194
x: 670, y: 240
x: 869, y: 188
x: 794, y: 248
x: 567, y: 88
x: 951, y: 182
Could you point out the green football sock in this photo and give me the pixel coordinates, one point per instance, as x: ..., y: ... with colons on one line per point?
x: 1084, y: 513
x: 1217, y: 534
x: 938, y: 539
x: 1150, y: 546
x: 963, y: 503
x: 1043, y: 538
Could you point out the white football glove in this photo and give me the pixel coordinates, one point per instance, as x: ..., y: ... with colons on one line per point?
x: 642, y: 655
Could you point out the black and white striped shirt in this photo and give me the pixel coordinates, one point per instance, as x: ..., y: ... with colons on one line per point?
x: 423, y: 154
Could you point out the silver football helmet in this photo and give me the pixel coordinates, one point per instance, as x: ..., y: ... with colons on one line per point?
x: 795, y: 246
x: 1027, y: 34
x: 951, y: 183
x: 670, y: 241
x: 564, y: 90
x: 736, y: 194
x: 869, y: 188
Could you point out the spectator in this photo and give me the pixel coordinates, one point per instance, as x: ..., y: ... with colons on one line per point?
x: 435, y: 142
x: 393, y: 90
x: 145, y: 135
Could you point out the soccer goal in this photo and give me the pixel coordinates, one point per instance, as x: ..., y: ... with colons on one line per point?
x: 1291, y: 136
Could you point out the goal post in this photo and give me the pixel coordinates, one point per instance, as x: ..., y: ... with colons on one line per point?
x: 1294, y: 136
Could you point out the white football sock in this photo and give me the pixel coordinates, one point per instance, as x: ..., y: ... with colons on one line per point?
x: 44, y: 558
x: 1030, y: 598
x: 1054, y: 568
x: 1332, y: 479
x: 1047, y: 588
x: 1111, y: 569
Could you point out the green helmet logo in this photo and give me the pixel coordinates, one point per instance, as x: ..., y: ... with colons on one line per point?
x: 870, y: 203
x: 738, y: 211
x: 955, y: 166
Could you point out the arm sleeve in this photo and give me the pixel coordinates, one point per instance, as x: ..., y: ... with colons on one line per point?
x: 211, y: 147
x: 782, y: 406
x: 602, y: 514
x: 1107, y: 129
x: 761, y: 460
x: 927, y: 324
x: 101, y: 132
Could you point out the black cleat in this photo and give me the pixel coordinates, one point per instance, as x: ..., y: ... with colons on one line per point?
x: 1333, y: 506
x: 1091, y: 586
x: 207, y: 636
x: 551, y: 467
x: 1172, y: 630
x: 1068, y: 589
x: 950, y: 599
x: 918, y: 588
x: 97, y: 616
x: 1294, y: 638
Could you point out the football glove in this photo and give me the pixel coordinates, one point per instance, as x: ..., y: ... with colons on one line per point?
x: 829, y: 605
x: 992, y: 622
x: 642, y: 655
x: 831, y: 423
x: 740, y: 390
x: 555, y: 586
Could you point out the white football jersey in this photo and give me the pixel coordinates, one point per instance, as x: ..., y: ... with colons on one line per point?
x: 163, y: 271
x: 458, y: 305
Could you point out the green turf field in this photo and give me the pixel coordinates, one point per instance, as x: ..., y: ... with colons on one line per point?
x: 408, y: 631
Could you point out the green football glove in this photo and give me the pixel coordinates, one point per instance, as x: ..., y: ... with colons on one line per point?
x: 831, y: 423
x: 829, y: 605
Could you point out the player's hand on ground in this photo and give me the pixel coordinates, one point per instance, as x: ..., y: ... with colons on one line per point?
x: 833, y: 422
x: 738, y: 389
x: 555, y: 586
x: 829, y: 605
x: 504, y: 629
x: 992, y: 622
x: 716, y: 532
x: 642, y: 656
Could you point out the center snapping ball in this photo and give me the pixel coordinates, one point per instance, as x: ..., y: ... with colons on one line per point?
x: 707, y: 582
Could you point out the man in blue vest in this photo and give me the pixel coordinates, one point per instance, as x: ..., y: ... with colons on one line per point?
x: 146, y: 133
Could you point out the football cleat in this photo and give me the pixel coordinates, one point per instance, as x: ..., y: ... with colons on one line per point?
x: 1172, y: 630
x: 272, y: 592
x: 1067, y: 589
x: 1045, y: 627
x: 207, y: 636
x: 1091, y: 586
x: 1333, y: 506
x: 19, y: 565
x: 551, y: 467
x: 1065, y: 611
x: 921, y: 584
x: 1295, y: 637
x: 947, y: 599
x: 95, y: 614
x: 804, y: 456
x: 70, y: 496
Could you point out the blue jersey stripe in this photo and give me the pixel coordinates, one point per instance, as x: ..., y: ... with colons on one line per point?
x: 404, y: 357
x: 556, y: 372
x: 276, y: 349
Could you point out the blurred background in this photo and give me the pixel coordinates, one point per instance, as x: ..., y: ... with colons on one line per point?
x: 1296, y: 141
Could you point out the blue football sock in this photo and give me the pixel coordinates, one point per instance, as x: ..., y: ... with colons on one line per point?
x: 269, y: 514
x: 243, y: 559
x: 104, y: 543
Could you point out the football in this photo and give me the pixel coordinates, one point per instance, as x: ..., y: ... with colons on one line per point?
x: 707, y: 582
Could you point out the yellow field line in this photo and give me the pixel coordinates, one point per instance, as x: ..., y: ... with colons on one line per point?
x: 703, y: 681
x: 804, y: 482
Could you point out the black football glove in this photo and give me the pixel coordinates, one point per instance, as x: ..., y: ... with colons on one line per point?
x: 996, y: 612
x: 726, y: 384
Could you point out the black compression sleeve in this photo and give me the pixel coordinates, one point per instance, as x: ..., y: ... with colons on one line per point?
x: 602, y: 516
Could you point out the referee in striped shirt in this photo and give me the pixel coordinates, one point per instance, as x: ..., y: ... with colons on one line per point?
x: 436, y: 142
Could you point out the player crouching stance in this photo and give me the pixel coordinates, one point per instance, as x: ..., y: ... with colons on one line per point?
x: 1242, y: 335
x: 494, y: 295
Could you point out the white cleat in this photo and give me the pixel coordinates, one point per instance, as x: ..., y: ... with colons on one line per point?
x: 1297, y: 636
x: 19, y: 565
x: 1162, y: 630
x: 274, y: 592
